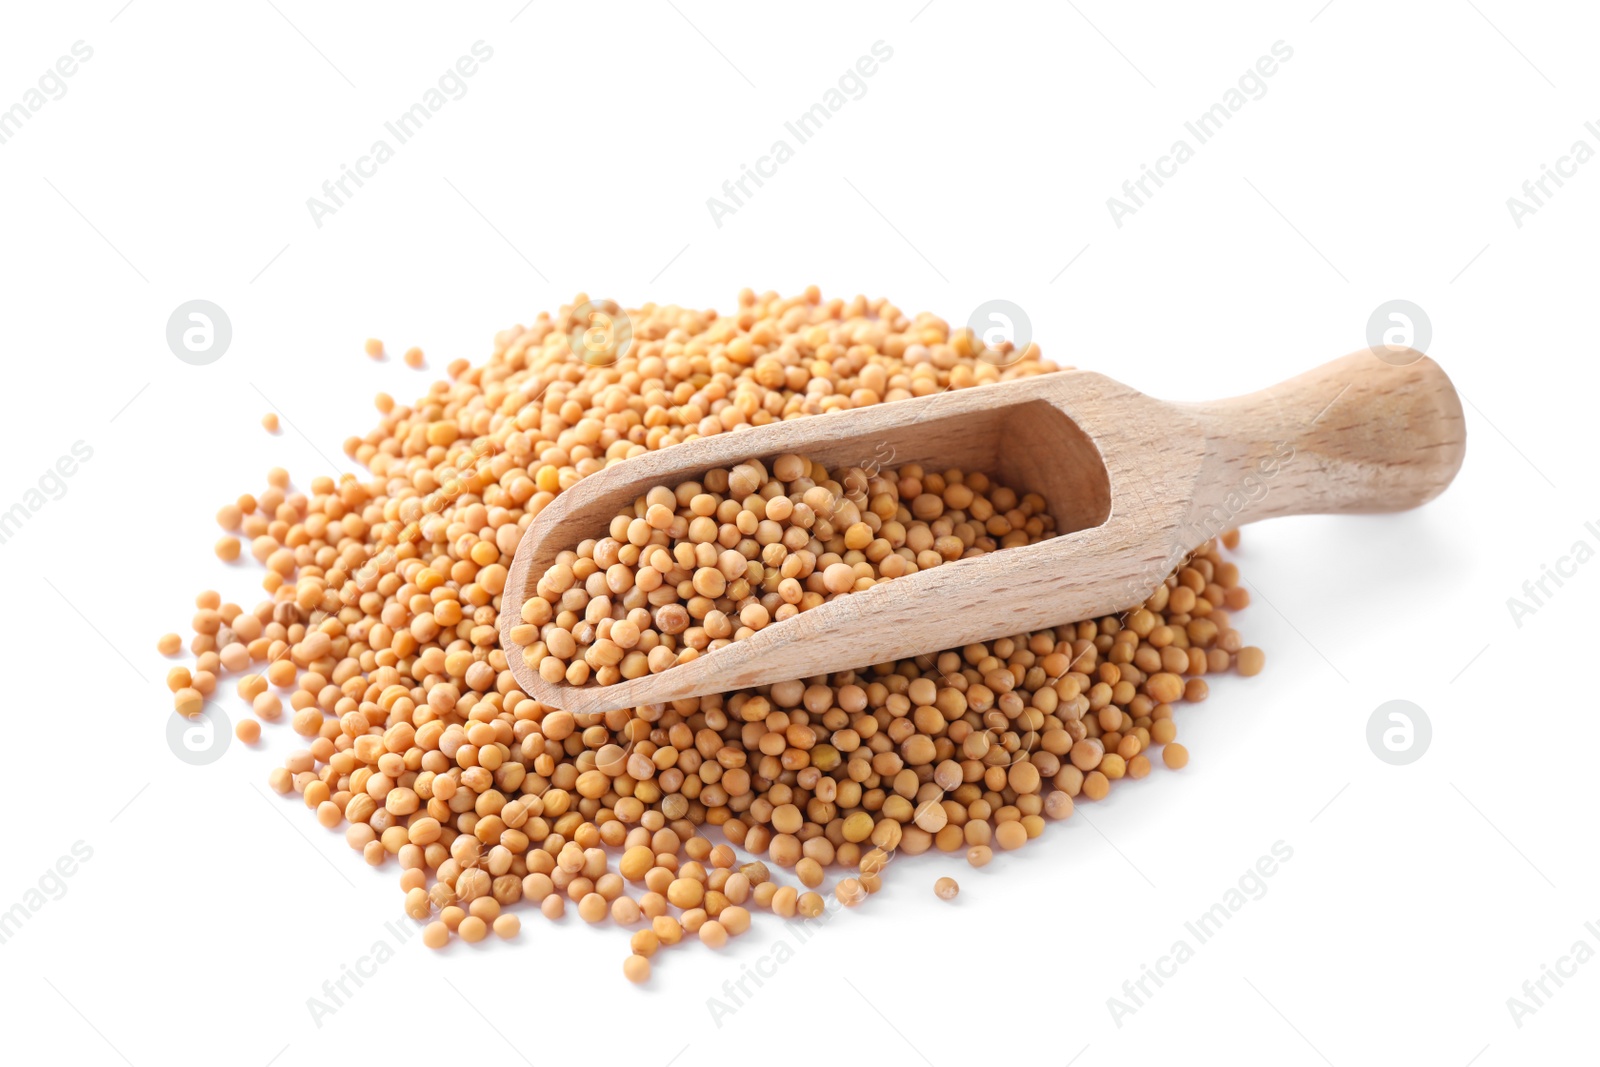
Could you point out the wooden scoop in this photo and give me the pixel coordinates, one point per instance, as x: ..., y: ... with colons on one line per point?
x: 1134, y: 485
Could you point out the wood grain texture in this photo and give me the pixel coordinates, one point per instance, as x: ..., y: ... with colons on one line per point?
x: 1134, y: 484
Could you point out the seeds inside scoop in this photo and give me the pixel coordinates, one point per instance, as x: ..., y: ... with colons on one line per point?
x: 379, y: 631
x: 691, y: 568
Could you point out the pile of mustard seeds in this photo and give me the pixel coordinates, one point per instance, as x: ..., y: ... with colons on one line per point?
x: 378, y: 640
x: 691, y: 568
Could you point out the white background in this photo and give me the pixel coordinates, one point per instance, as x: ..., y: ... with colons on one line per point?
x: 978, y: 164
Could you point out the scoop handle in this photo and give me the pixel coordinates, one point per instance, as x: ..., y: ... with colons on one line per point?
x: 1378, y: 430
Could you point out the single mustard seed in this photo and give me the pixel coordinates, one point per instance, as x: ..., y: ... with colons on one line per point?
x: 713, y: 934
x: 645, y: 943
x: 1010, y: 835
x: 850, y: 892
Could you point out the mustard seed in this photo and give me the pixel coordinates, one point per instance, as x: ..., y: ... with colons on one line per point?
x: 668, y: 930
x: 785, y: 901
x: 1010, y: 835
x: 713, y: 934
x: 734, y: 919
x: 592, y: 908
x: 810, y: 873
x: 644, y: 943
x: 685, y: 893
x: 946, y: 888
